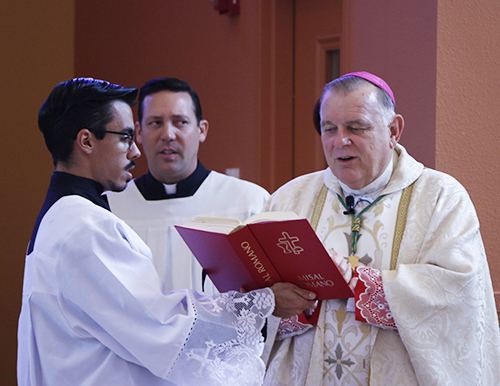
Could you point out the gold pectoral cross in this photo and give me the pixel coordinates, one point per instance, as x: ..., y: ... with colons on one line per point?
x: 353, y: 259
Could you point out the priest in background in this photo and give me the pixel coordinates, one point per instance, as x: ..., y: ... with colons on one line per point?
x: 178, y: 187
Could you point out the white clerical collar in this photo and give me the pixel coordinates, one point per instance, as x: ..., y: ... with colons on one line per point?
x: 374, y: 188
x: 170, y: 188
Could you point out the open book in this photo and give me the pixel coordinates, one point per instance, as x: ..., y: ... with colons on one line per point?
x: 267, y: 248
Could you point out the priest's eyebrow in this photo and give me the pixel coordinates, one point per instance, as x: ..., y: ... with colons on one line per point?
x: 162, y: 118
x: 180, y: 116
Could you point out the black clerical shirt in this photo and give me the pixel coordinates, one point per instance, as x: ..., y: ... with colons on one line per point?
x: 152, y: 189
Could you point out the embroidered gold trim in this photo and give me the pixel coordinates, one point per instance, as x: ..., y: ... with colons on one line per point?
x: 404, y: 204
x: 318, y: 207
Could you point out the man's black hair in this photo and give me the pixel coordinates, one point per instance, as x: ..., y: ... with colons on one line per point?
x: 169, y: 84
x: 75, y: 105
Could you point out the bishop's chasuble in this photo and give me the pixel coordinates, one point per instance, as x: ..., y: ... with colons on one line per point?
x: 432, y: 321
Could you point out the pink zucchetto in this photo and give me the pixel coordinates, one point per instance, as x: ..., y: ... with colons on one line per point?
x: 379, y: 82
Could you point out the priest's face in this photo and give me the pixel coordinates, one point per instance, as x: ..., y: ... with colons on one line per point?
x: 114, y: 156
x: 170, y: 135
x: 358, y: 135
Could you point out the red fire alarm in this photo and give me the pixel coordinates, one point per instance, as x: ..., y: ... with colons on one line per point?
x: 234, y: 7
x: 227, y: 6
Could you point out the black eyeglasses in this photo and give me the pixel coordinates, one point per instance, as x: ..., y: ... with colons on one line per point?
x: 128, y: 137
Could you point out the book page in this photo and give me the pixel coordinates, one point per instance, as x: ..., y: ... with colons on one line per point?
x: 271, y: 216
x: 226, y: 225
x: 213, y: 224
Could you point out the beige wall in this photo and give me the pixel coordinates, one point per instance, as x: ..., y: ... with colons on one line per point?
x: 36, y: 45
x: 468, y: 96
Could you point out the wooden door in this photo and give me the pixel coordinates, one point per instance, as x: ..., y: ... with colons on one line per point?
x: 317, y: 45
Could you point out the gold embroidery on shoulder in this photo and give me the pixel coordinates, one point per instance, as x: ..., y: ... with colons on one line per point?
x: 404, y: 204
x: 318, y: 207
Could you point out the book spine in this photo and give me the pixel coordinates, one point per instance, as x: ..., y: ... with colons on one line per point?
x: 254, y: 258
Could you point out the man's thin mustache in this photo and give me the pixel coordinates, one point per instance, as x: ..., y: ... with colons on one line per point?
x: 131, y: 165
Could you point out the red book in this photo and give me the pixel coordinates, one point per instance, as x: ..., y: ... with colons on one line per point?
x: 270, y: 247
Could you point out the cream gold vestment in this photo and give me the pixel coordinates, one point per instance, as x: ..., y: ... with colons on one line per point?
x: 440, y: 292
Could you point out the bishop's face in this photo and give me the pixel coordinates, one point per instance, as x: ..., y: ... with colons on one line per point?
x: 358, y: 135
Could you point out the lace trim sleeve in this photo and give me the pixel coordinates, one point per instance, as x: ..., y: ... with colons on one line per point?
x: 292, y: 326
x: 371, y: 304
x: 225, y: 344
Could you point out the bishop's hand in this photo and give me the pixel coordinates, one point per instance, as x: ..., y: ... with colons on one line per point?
x: 344, y: 267
x: 292, y: 300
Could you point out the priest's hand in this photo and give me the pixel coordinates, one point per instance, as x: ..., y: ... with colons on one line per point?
x: 292, y: 300
x: 344, y: 267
